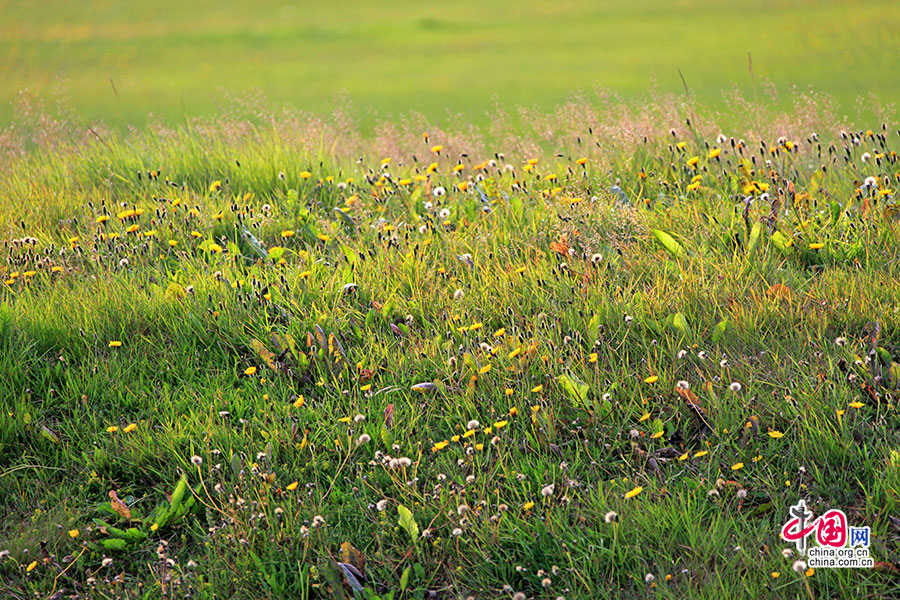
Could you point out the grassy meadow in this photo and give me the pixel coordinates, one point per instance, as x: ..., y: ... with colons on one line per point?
x: 604, y: 355
x: 127, y: 64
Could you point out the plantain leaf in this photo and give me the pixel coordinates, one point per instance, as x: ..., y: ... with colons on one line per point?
x: 577, y: 390
x: 680, y: 324
x: 676, y: 249
x: 755, y: 234
x: 408, y: 523
x: 782, y: 242
x: 719, y: 331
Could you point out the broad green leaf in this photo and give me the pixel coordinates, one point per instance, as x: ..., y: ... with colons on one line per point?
x: 755, y: 234
x: 680, y: 324
x: 676, y: 249
x: 404, y: 579
x: 721, y: 327
x: 276, y: 253
x: 577, y: 390
x: 408, y: 523
x: 782, y: 242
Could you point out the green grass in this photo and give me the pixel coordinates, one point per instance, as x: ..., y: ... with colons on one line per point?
x: 129, y: 64
x: 376, y: 292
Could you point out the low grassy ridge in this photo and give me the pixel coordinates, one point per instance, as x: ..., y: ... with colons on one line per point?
x: 240, y: 363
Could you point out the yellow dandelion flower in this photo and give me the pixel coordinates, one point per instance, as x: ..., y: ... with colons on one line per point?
x: 634, y: 492
x: 501, y: 424
x: 73, y: 533
x: 538, y: 388
x: 775, y: 434
x: 249, y: 371
x: 441, y: 445
x: 737, y: 466
x: 32, y: 566
x: 515, y: 352
x: 592, y: 357
x: 292, y: 486
x: 115, y: 344
x: 651, y: 379
x: 305, y: 174
x: 287, y: 233
x: 856, y: 404
x: 644, y: 417
x: 513, y: 411
x: 816, y: 246
x: 714, y: 153
x: 112, y: 429
x: 701, y: 453
x: 692, y: 161
x: 299, y: 402
x: 437, y: 149
x: 656, y: 435
x: 366, y: 387
x: 484, y: 369
x: 528, y: 505
x: 130, y: 427
x: 154, y: 527
x: 215, y: 185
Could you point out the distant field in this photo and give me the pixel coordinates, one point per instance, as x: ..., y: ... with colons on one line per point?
x: 173, y: 59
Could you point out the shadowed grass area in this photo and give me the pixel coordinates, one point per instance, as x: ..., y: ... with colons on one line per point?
x: 125, y: 63
x: 610, y: 356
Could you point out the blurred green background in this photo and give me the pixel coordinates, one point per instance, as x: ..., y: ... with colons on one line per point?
x: 121, y: 62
